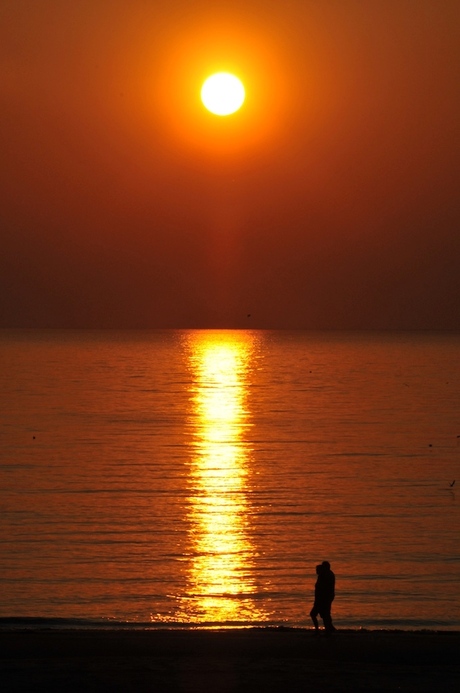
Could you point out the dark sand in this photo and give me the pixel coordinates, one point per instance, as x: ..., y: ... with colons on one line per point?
x: 242, y: 660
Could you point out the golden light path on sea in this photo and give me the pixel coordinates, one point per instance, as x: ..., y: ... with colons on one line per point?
x: 220, y: 585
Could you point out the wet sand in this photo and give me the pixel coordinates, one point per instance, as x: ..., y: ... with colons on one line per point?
x: 227, y: 661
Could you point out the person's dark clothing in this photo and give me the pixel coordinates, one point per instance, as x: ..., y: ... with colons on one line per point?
x: 324, y: 596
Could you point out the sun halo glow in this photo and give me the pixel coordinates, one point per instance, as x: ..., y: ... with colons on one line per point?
x: 222, y: 93
x: 193, y: 56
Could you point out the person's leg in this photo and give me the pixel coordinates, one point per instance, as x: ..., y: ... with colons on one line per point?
x: 327, y: 618
x: 314, y: 614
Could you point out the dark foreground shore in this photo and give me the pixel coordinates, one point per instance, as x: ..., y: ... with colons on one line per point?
x: 227, y: 661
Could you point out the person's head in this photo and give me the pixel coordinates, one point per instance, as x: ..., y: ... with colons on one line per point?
x: 319, y: 569
x: 326, y: 565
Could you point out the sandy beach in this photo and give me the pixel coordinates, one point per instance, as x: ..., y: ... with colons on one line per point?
x: 227, y: 661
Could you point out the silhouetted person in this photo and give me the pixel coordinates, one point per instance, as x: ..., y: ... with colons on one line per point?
x: 324, y: 596
x: 316, y: 609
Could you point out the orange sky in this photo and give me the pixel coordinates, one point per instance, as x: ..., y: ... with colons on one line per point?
x: 331, y: 200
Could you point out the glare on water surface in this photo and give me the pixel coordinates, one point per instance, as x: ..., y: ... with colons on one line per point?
x: 220, y: 579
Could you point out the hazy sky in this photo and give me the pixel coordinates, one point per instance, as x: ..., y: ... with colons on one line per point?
x: 331, y: 200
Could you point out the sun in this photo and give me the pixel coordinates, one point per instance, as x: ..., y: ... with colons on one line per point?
x: 222, y: 93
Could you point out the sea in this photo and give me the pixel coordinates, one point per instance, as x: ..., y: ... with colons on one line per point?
x: 195, y: 478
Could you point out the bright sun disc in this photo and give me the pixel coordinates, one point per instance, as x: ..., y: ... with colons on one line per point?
x: 222, y: 93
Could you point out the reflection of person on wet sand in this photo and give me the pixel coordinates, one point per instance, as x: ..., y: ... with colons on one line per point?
x: 324, y: 596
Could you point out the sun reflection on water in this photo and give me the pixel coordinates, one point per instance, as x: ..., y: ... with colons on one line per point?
x: 221, y: 586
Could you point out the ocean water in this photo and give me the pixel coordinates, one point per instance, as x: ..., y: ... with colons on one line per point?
x: 189, y: 478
